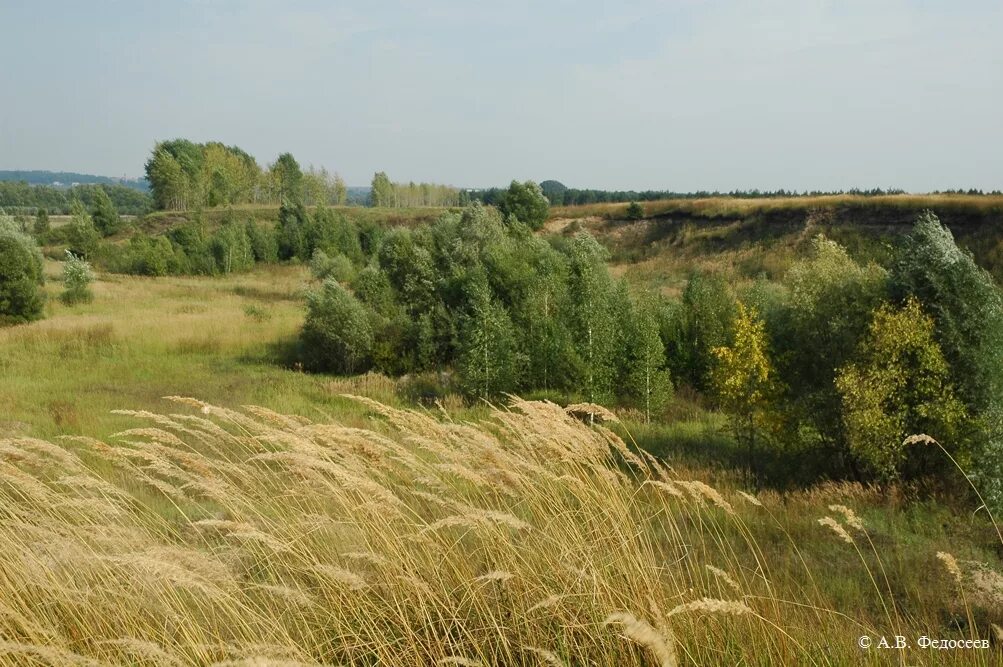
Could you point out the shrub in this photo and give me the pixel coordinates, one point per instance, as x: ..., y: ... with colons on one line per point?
x: 77, y: 278
x: 42, y: 227
x: 635, y: 211
x: 291, y: 231
x: 337, y: 335
x: 21, y: 296
x: 231, y: 248
x: 257, y: 313
x: 197, y: 249
x: 264, y: 245
x: 526, y: 203
x: 338, y: 267
x: 104, y: 213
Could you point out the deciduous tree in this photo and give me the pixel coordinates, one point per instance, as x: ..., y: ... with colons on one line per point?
x: 898, y: 385
x: 742, y: 378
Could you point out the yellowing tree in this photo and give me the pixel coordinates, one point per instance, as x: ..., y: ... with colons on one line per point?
x: 742, y: 378
x: 899, y: 385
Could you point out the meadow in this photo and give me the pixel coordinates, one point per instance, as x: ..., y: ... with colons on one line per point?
x: 153, y: 515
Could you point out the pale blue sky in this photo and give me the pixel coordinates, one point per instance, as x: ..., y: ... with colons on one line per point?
x: 684, y: 95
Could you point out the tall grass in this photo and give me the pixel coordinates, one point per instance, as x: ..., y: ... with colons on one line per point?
x: 215, y: 536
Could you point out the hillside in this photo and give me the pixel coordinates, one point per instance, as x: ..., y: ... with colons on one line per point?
x: 747, y: 238
x: 66, y: 179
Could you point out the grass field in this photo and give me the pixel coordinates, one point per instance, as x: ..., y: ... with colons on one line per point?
x: 142, y: 339
x: 213, y: 536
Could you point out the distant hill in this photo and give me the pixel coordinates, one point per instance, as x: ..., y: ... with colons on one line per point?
x: 358, y: 194
x: 67, y: 179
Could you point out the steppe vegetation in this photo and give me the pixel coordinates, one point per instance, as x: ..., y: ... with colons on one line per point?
x: 783, y: 428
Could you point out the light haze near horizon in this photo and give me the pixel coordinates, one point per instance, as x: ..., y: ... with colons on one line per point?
x: 685, y: 95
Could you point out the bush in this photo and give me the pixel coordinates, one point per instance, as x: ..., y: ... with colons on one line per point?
x: 338, y: 267
x: 635, y: 211
x: 42, y: 227
x: 77, y: 278
x: 147, y: 256
x: 104, y: 213
x: 526, y: 203
x: 264, y: 245
x: 21, y: 296
x: 231, y: 248
x: 81, y: 235
x: 337, y: 335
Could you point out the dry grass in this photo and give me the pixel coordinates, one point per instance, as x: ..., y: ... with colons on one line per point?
x: 142, y: 338
x: 215, y: 536
x: 711, y: 207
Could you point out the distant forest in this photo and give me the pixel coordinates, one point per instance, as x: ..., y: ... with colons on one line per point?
x: 20, y: 197
x: 559, y: 194
x: 66, y: 179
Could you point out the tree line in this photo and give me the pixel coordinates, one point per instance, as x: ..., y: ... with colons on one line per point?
x: 386, y: 193
x: 558, y: 194
x: 185, y: 175
x: 839, y: 362
x: 21, y: 197
x: 478, y: 293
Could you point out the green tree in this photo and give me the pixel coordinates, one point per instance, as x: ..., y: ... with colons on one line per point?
x: 104, y: 214
x: 339, y: 196
x: 232, y: 249
x: 175, y: 172
x: 316, y: 183
x: 702, y: 322
x: 291, y: 232
x: 264, y: 243
x: 649, y: 378
x: 634, y: 211
x: 489, y: 361
x: 899, y: 385
x: 167, y: 180
x: 542, y: 319
x: 42, y: 226
x: 742, y: 379
x: 382, y: 192
x: 590, y: 290
x: 81, y: 234
x: 337, y: 334
x: 339, y: 267
x: 967, y: 310
x: 21, y: 277
x: 829, y: 307
x: 526, y: 203
x: 288, y: 178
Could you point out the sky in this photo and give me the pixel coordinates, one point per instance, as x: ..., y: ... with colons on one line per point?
x: 674, y: 94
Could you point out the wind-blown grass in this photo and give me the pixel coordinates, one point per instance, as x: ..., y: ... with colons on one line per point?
x: 215, y: 536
